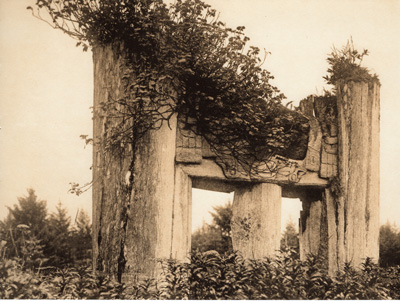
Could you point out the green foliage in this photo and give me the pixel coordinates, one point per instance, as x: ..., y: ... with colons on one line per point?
x: 210, y: 276
x: 67, y: 283
x: 31, y: 212
x: 222, y: 218
x: 39, y: 241
x: 19, y: 283
x: 187, y: 61
x: 345, y: 65
x: 24, y: 230
x: 216, y: 236
x: 209, y: 238
x: 290, y: 237
x: 81, y: 238
x: 389, y: 245
x: 59, y: 237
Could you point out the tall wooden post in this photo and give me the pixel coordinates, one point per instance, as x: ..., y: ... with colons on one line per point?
x: 358, y: 202
x: 149, y: 224
x: 110, y: 190
x: 132, y: 220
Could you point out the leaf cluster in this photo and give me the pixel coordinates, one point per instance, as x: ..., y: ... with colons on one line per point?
x: 345, y: 65
x: 210, y: 276
x: 182, y: 59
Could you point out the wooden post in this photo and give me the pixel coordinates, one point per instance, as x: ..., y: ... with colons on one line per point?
x: 149, y: 226
x: 110, y: 190
x: 333, y: 244
x: 256, y: 220
x: 182, y: 217
x: 313, y: 226
x: 132, y: 222
x: 310, y: 228
x: 358, y: 204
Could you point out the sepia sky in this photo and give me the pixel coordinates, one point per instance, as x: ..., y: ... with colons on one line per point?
x: 46, y: 87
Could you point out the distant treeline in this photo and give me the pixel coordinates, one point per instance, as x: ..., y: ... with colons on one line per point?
x: 41, y: 240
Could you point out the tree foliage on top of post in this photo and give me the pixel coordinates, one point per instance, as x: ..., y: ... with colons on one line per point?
x: 184, y: 60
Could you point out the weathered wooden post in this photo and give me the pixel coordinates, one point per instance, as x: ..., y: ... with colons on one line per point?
x: 256, y: 224
x: 132, y: 219
x: 311, y: 226
x: 110, y: 196
x: 358, y: 201
x: 342, y: 221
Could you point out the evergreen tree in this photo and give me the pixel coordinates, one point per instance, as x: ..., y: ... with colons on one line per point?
x: 59, y: 237
x: 24, y: 230
x: 222, y: 218
x: 34, y: 238
x: 81, y: 243
x: 31, y: 212
x: 216, y: 236
x: 290, y: 237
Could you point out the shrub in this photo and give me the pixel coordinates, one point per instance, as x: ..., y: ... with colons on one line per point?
x: 17, y: 283
x: 209, y: 275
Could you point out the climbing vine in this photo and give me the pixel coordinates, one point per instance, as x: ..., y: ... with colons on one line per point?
x: 184, y: 60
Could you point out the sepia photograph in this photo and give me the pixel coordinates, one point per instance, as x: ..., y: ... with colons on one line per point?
x: 199, y: 149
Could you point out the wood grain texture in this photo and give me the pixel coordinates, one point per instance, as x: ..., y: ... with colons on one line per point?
x: 256, y: 220
x: 358, y: 223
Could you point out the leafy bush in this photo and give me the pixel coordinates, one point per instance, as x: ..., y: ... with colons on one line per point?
x: 19, y: 283
x: 209, y: 275
x: 212, y: 276
x: 389, y: 245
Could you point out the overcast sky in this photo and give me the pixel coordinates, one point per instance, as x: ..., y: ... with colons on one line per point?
x: 46, y: 87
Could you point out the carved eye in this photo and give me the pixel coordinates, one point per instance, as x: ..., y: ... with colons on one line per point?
x: 293, y: 178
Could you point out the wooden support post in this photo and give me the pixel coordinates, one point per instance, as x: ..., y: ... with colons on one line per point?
x: 373, y: 184
x: 110, y: 189
x: 333, y: 244
x: 182, y: 216
x: 256, y: 221
x: 132, y: 222
x: 310, y: 228
x: 358, y: 205
x: 149, y: 227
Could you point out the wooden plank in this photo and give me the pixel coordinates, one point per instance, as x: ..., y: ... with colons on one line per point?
x: 310, y: 228
x: 213, y: 185
x: 209, y: 169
